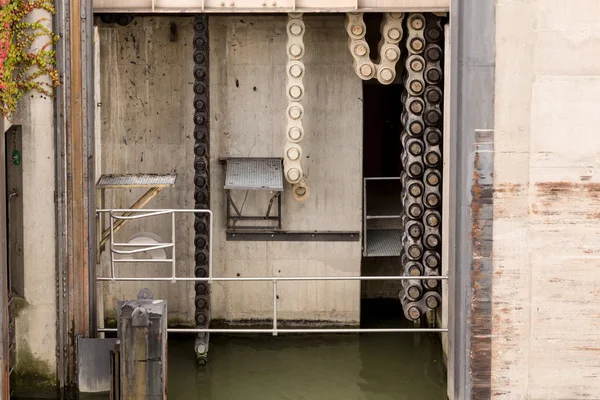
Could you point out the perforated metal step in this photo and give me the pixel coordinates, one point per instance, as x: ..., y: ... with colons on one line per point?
x: 136, y: 180
x: 254, y: 174
x: 383, y: 242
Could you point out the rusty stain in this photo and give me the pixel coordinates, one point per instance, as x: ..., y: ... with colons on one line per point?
x: 509, y: 188
x: 556, y: 187
x: 480, y: 318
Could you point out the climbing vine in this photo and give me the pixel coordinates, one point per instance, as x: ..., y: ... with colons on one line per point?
x: 23, y: 63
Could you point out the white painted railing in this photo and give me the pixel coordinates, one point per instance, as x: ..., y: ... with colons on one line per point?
x: 115, y: 249
x: 267, y: 6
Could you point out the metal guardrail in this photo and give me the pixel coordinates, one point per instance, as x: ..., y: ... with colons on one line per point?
x: 113, y: 213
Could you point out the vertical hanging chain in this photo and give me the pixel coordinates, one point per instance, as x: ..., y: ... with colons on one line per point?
x: 295, y: 71
x: 432, y: 158
x: 421, y: 164
x: 201, y: 181
x: 384, y: 67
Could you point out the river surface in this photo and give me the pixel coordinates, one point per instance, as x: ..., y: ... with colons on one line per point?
x: 371, y: 366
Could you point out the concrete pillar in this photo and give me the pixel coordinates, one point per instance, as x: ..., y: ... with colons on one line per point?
x: 143, y: 349
x: 36, y: 313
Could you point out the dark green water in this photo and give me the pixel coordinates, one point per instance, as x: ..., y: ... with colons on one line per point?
x: 352, y: 367
x: 375, y: 366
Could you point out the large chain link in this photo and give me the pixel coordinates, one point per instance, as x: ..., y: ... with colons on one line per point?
x: 421, y: 164
x: 201, y: 179
x: 295, y: 71
x: 384, y: 67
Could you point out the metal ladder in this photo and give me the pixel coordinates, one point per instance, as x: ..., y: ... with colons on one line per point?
x: 380, y: 242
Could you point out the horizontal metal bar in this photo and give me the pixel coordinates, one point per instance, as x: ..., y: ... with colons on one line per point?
x: 285, y: 330
x: 258, y: 217
x: 251, y: 228
x: 149, y: 248
x: 143, y: 260
x: 262, y: 10
x: 146, y: 215
x: 141, y: 244
x: 282, y: 278
x: 292, y: 236
x: 150, y: 210
x: 374, y: 254
x: 384, y: 216
x: 383, y: 178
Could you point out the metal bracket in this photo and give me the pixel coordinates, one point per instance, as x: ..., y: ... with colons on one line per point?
x: 292, y: 236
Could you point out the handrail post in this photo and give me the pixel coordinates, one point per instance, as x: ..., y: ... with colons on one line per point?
x: 112, y: 241
x: 173, y: 272
x: 274, y: 307
x: 210, y: 248
x: 365, y: 217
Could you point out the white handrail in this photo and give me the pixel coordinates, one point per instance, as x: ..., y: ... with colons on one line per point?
x: 274, y: 279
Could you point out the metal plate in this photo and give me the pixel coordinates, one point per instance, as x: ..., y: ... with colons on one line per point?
x: 384, y: 243
x: 254, y: 174
x: 136, y: 180
x: 93, y: 364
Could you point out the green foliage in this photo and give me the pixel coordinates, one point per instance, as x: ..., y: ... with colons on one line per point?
x: 22, y: 67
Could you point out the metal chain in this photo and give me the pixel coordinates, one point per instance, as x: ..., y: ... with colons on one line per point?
x: 201, y: 181
x: 384, y: 67
x: 421, y: 164
x: 295, y: 71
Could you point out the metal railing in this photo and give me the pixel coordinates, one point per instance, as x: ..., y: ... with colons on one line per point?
x: 274, y: 279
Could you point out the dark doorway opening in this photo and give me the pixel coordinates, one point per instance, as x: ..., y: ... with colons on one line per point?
x: 382, y: 193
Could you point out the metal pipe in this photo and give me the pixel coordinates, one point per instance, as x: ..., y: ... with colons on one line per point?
x: 280, y: 278
x: 149, y: 248
x: 274, y: 308
x: 141, y: 260
x: 173, y: 273
x: 307, y: 330
x: 383, y: 216
x: 112, y: 255
x: 151, y: 211
x: 148, y: 214
x: 14, y: 193
x: 141, y: 245
x: 365, y: 216
x: 382, y: 178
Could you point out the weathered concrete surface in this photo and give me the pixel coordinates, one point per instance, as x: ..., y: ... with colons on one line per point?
x: 247, y: 119
x: 36, y: 321
x: 147, y: 126
x: 547, y: 185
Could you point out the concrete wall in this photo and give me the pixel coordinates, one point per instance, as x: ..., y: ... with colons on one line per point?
x: 146, y: 85
x: 146, y: 127
x: 546, y: 286
x: 36, y: 313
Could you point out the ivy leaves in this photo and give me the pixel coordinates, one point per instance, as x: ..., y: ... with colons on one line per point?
x: 24, y: 64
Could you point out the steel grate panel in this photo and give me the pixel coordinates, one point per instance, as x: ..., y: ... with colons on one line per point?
x: 384, y: 242
x: 136, y: 180
x: 254, y: 174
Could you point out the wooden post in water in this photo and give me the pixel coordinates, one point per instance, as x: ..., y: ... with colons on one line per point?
x: 143, y: 350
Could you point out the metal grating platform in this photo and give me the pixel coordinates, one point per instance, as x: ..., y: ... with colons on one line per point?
x: 383, y: 242
x: 136, y: 180
x: 254, y: 174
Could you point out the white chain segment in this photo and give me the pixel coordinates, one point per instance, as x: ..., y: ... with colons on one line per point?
x: 384, y: 67
x: 295, y: 71
x: 412, y: 294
